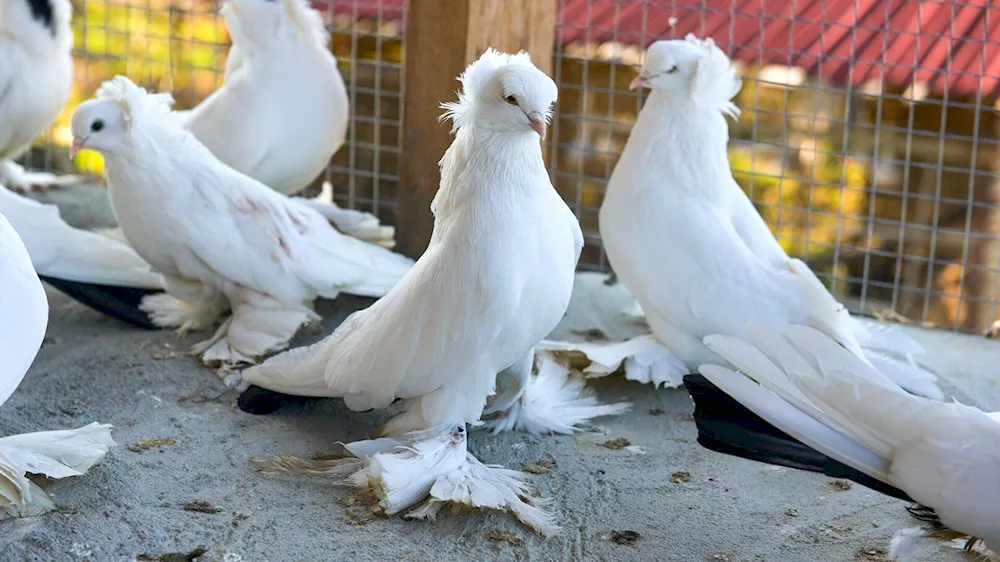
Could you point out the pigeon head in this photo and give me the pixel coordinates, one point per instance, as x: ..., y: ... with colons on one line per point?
x: 106, y: 123
x: 690, y: 69
x: 47, y: 19
x: 255, y: 24
x: 505, y: 93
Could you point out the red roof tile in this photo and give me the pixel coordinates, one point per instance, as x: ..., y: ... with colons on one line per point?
x: 951, y: 46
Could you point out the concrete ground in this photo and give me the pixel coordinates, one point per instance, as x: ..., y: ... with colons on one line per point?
x: 194, y: 493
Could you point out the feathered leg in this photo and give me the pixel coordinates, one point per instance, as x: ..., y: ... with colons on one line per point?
x: 645, y: 359
x: 549, y: 401
x: 258, y: 325
x: 15, y: 177
x: 432, y: 465
x: 166, y: 311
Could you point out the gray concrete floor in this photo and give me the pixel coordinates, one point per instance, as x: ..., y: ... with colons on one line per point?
x: 683, y: 503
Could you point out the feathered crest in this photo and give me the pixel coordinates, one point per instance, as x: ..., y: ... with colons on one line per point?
x: 473, y: 80
x: 307, y: 20
x: 715, y: 81
x: 136, y: 104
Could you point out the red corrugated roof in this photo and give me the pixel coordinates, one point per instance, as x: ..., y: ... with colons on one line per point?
x: 949, y: 45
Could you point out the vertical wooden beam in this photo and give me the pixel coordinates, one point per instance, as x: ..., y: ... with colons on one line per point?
x: 442, y: 38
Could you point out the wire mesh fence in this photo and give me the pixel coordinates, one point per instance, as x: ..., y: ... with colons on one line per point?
x: 868, y: 139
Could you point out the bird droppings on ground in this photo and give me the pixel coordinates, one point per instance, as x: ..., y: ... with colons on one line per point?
x: 627, y: 538
x: 201, y: 506
x: 191, y: 556
x: 840, y: 485
x: 792, y: 512
x: 592, y: 334
x: 616, y: 444
x: 657, y: 412
x: 541, y: 466
x: 331, y: 455
x: 500, y: 536
x: 141, y: 446
x: 165, y: 351
x: 867, y: 554
x: 680, y: 477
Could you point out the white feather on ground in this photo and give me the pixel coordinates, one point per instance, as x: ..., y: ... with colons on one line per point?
x: 812, y: 388
x: 722, y: 266
x: 56, y: 454
x: 36, y: 73
x: 222, y: 241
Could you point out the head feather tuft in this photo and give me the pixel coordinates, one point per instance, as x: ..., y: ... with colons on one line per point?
x: 308, y: 20
x: 136, y: 104
x: 715, y: 81
x: 474, y: 79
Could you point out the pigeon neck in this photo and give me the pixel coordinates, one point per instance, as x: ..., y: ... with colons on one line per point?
x: 689, y: 139
x: 485, y: 157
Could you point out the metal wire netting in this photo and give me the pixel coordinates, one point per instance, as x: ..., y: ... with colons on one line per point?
x: 868, y: 138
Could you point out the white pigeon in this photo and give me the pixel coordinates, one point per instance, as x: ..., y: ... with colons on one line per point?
x: 282, y: 111
x: 36, y: 72
x: 688, y: 243
x: 24, y: 314
x: 946, y: 456
x: 221, y: 240
x: 280, y: 70
x: 494, y: 280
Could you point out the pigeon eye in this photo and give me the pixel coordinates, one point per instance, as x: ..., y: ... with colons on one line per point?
x: 96, y: 126
x: 672, y: 70
x: 511, y: 100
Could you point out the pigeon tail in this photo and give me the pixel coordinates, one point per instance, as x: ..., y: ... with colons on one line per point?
x: 251, y: 332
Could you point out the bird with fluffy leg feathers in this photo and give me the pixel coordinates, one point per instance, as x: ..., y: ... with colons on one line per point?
x: 946, y: 456
x: 688, y: 243
x: 495, y: 279
x: 36, y: 73
x: 24, y: 314
x: 222, y: 241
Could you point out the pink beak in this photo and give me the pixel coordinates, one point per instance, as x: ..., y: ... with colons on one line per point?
x: 638, y: 82
x: 76, y: 147
x: 537, y: 123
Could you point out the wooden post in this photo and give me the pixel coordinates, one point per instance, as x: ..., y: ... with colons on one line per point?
x: 442, y: 38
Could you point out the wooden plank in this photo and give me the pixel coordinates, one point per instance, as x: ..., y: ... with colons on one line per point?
x: 442, y: 38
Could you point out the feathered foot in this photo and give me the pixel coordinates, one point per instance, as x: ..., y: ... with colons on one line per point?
x: 432, y: 465
x: 550, y: 402
x: 645, y: 359
x: 56, y: 454
x: 250, y: 333
x: 16, y: 178
x: 166, y: 311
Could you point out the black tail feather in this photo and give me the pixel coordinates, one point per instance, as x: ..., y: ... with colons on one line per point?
x: 118, y: 302
x: 261, y: 402
x: 726, y: 426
